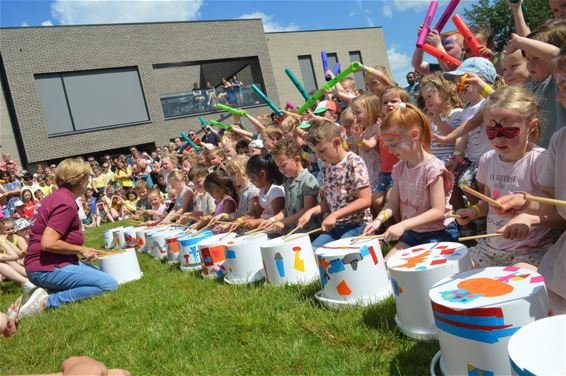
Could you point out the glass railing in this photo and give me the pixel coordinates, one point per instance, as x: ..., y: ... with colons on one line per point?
x: 189, y: 104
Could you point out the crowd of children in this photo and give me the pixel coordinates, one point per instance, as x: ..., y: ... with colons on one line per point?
x: 360, y: 163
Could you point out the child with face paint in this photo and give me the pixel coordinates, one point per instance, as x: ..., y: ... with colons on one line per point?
x: 514, y: 165
x: 421, y: 184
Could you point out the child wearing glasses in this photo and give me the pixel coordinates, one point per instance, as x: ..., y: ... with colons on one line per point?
x: 511, y: 118
x: 422, y: 185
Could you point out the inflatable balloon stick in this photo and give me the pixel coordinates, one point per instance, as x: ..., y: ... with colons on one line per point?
x: 221, y: 125
x: 325, y: 66
x: 336, y: 69
x: 316, y: 96
x: 426, y: 24
x: 267, y: 100
x: 446, y: 15
x: 190, y: 142
x: 297, y: 84
x: 442, y: 56
x: 203, y: 122
x: 469, y: 37
x: 234, y: 111
x: 355, y: 66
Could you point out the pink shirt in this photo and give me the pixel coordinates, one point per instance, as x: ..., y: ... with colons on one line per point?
x: 413, y: 184
x: 58, y: 211
x: 503, y: 178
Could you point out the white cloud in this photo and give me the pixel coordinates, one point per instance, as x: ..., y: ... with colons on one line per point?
x: 25, y: 24
x: 269, y: 24
x: 47, y: 23
x: 367, y: 12
x: 399, y: 62
x: 387, y: 11
x: 72, y: 12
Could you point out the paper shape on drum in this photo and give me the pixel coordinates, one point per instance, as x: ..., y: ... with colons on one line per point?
x: 475, y: 371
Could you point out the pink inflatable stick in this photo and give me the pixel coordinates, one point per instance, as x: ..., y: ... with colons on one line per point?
x: 446, y: 15
x: 426, y: 24
x: 442, y: 56
x: 469, y: 37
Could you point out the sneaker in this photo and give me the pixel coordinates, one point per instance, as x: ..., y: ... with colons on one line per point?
x: 33, y: 303
x: 28, y: 286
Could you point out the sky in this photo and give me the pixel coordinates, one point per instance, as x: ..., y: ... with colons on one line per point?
x: 399, y: 19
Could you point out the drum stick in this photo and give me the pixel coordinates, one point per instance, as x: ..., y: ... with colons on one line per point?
x: 300, y: 235
x: 225, y: 235
x: 365, y: 237
x: 254, y: 231
x: 465, y: 238
x: 545, y: 200
x: 452, y: 215
x: 292, y: 232
x: 481, y: 196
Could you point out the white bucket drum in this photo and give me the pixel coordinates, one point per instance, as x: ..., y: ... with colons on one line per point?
x: 243, y: 259
x: 476, y: 313
x: 130, y: 237
x: 158, y: 244
x: 539, y: 347
x: 291, y: 262
x: 123, y: 266
x: 212, y: 254
x: 141, y: 239
x: 352, y: 273
x: 413, y: 272
x: 172, y: 244
x: 108, y: 239
x: 189, y: 256
x: 117, y: 238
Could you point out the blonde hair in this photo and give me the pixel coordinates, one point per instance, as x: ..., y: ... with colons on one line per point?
x: 370, y: 103
x: 347, y: 116
x: 272, y: 132
x: 176, y: 176
x: 71, y: 171
x: 238, y: 164
x: 517, y: 99
x: 322, y: 130
x: 348, y: 83
x: 408, y: 117
x: 445, y: 88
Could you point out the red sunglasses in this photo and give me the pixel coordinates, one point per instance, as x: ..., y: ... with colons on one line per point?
x: 500, y: 131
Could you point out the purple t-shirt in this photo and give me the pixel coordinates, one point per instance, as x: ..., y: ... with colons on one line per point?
x: 58, y: 211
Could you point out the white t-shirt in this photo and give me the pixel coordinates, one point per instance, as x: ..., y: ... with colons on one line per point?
x: 478, y: 143
x: 553, y: 264
x: 505, y: 178
x: 265, y: 199
x: 443, y: 152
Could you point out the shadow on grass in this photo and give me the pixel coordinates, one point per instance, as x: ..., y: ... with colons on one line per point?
x: 306, y: 293
x: 414, y: 361
x: 381, y: 316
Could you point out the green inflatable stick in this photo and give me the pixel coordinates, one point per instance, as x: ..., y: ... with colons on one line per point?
x: 234, y: 111
x: 297, y: 83
x: 267, y: 100
x: 203, y: 122
x: 354, y: 67
x: 221, y: 125
x: 316, y: 96
x: 188, y: 139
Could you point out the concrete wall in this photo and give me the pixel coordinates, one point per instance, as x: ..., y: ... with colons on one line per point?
x: 35, y: 50
x: 286, y: 47
x: 7, y: 139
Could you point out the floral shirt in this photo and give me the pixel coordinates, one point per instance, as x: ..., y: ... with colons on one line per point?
x: 245, y: 197
x: 340, y: 183
x: 12, y: 186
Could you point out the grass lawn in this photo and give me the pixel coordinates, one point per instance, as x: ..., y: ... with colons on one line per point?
x: 174, y: 323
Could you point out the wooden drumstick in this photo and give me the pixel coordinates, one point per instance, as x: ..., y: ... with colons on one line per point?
x: 366, y: 237
x: 545, y: 200
x: 301, y: 235
x: 292, y: 232
x: 465, y: 238
x: 481, y: 196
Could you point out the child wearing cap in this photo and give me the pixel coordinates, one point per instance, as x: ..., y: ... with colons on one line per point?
x: 255, y: 147
x: 329, y: 110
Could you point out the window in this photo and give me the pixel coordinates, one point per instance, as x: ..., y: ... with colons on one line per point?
x: 307, y: 71
x: 358, y: 76
x: 81, y: 101
x: 332, y: 60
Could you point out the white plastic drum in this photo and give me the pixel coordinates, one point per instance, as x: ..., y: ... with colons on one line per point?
x: 212, y: 254
x: 123, y: 266
x: 141, y: 240
x: 243, y: 259
x: 352, y: 273
x: 172, y: 245
x: 413, y: 272
x: 108, y: 239
x: 539, y: 347
x: 130, y: 237
x: 158, y: 244
x: 118, y: 239
x: 291, y: 262
x: 189, y: 256
x: 476, y: 313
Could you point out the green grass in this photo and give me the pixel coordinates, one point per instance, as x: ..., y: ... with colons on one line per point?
x: 173, y: 323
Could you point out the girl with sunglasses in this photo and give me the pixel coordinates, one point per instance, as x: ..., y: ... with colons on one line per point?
x: 514, y: 164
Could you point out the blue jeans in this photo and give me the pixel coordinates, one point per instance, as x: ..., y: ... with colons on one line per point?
x: 338, y: 232
x: 73, y: 282
x: 414, y: 238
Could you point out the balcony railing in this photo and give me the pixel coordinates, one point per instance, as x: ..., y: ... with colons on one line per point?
x: 189, y: 104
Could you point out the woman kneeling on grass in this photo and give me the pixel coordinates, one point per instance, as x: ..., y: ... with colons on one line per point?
x: 56, y: 240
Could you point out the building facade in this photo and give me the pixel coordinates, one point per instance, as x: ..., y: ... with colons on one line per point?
x: 79, y: 90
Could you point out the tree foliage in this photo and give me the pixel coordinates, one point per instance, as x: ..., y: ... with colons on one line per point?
x: 498, y: 16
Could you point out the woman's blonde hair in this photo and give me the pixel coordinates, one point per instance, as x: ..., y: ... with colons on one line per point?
x: 71, y: 171
x: 370, y: 103
x: 517, y: 99
x: 407, y: 117
x: 445, y: 88
x: 176, y: 176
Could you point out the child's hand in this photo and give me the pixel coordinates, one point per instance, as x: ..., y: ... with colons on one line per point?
x: 517, y: 228
x: 329, y: 222
x: 486, y: 51
x: 466, y: 215
x: 511, y: 204
x: 394, y: 232
x: 264, y: 223
x: 474, y: 79
x: 513, y: 44
x: 441, y: 140
x: 304, y: 220
x: 433, y: 38
x: 451, y: 165
x: 514, y: 5
x: 329, y: 73
x: 372, y: 227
